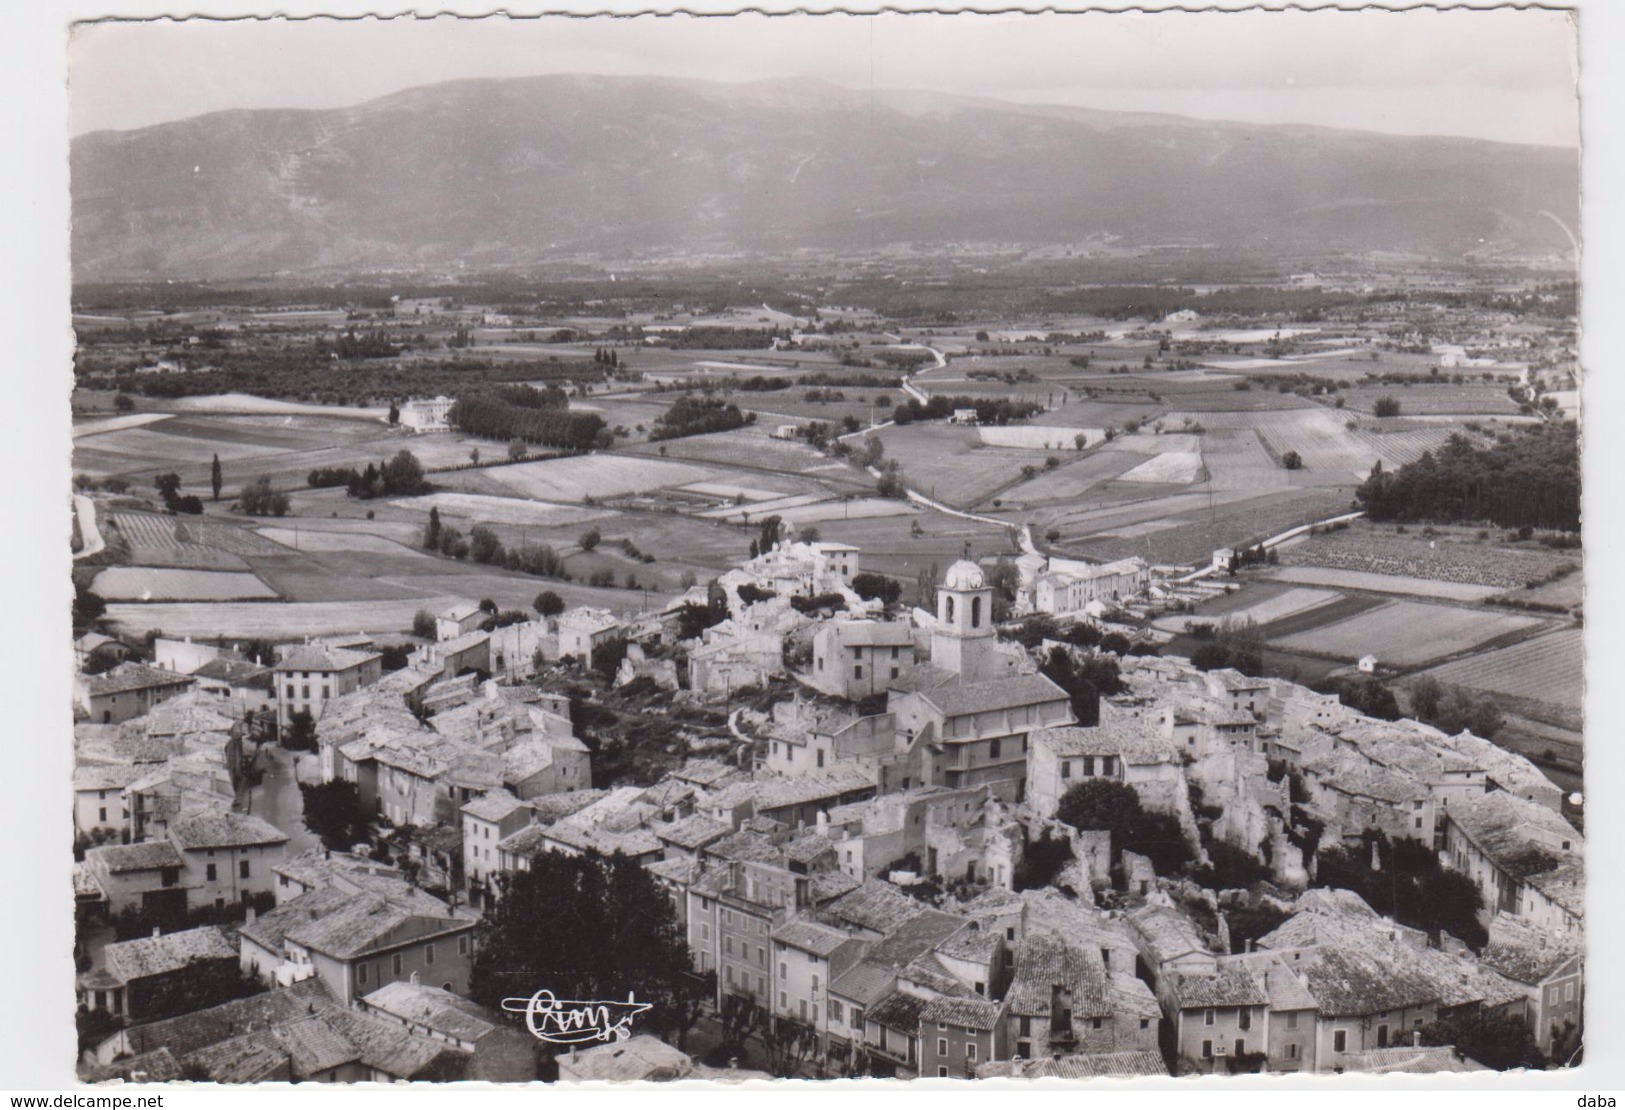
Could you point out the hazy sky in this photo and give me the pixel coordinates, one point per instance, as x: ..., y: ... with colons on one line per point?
x: 1501, y: 74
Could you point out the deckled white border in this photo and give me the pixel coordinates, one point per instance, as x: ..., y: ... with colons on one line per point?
x: 36, y: 1029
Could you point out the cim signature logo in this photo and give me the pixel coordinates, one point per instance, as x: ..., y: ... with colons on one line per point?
x: 566, y: 1021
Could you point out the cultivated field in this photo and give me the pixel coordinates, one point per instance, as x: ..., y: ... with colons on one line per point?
x: 1444, y: 399
x: 310, y: 539
x: 1398, y: 442
x: 1450, y: 555
x: 750, y: 449
x: 1381, y: 583
x: 582, y: 476
x: 1549, y: 668
x: 1262, y: 604
x: 1408, y: 633
x: 116, y: 423
x: 176, y: 541
x: 951, y: 464
x: 1175, y: 467
x: 174, y: 584
x: 481, y: 509
x: 1039, y: 437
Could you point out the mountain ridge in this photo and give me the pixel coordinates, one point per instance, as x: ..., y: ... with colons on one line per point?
x: 516, y: 171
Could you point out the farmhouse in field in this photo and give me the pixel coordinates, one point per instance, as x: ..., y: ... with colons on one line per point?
x: 427, y: 414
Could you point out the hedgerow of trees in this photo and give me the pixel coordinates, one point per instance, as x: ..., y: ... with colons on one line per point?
x: 498, y: 415
x: 1526, y: 479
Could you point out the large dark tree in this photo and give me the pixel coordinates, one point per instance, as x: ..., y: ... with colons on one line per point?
x: 587, y: 927
x: 1496, y: 1040
x: 334, y: 813
x: 301, y: 732
x: 877, y: 587
x: 216, y: 479
x: 1096, y: 804
x: 1529, y: 478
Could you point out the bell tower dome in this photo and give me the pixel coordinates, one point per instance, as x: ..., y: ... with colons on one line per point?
x: 963, y: 640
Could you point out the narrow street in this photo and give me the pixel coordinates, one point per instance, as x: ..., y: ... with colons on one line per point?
x: 277, y: 800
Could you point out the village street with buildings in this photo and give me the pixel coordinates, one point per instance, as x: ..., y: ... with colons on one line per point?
x: 879, y: 863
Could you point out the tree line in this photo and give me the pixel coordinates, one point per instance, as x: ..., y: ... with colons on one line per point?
x: 989, y: 410
x: 495, y: 416
x: 1526, y: 479
x: 693, y: 416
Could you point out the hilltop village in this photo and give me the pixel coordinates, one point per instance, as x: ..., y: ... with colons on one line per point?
x: 895, y: 840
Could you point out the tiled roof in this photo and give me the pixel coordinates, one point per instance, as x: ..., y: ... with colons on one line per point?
x: 254, y: 1057
x: 556, y: 807
x: 436, y: 1009
x: 133, y: 676
x: 493, y: 806
x: 157, y: 1066
x: 235, y: 671
x: 322, y: 657
x: 1505, y: 827
x: 1138, y: 740
x: 317, y: 867
x: 1525, y: 954
x: 963, y: 1012
x: 186, y: 1034
x: 1044, y: 962
x: 770, y: 791
x: 810, y: 936
x: 224, y: 830
x: 897, y: 1011
x: 872, y: 633
x: 149, y: 855
x: 679, y: 869
x: 1230, y: 985
x: 1101, y: 1065
x: 864, y: 983
x: 314, y: 1046
x: 705, y: 772
x: 527, y: 843
x: 879, y: 906
x: 1422, y: 1058
x: 143, y: 957
x: 643, y: 1057
x: 693, y: 832
x: 971, y: 943
x: 344, y: 924
x: 390, y: 1048
x: 1168, y: 932
x: 107, y: 776
x: 994, y: 694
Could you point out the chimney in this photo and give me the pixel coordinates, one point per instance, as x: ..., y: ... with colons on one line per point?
x: 414, y: 979
x: 1416, y: 1038
x: 1018, y: 1067
x: 249, y: 920
x: 157, y: 932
